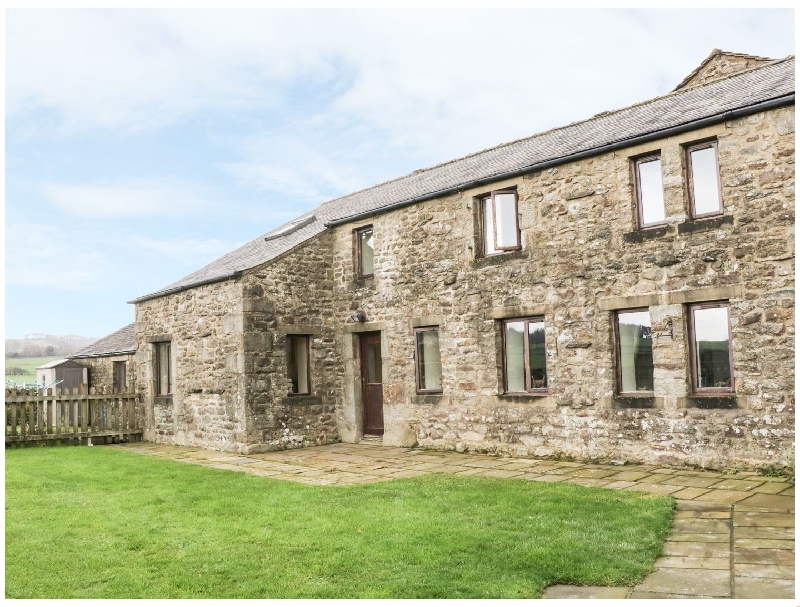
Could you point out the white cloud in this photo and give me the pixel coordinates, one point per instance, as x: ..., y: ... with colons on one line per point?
x: 129, y: 199
x: 42, y: 256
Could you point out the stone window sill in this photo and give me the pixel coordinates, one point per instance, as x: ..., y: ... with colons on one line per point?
x: 498, y: 259
x: 523, y: 398
x: 428, y: 399
x: 710, y: 401
x: 648, y: 234
x: 704, y: 225
x: 301, y: 399
x: 620, y: 401
x: 162, y: 400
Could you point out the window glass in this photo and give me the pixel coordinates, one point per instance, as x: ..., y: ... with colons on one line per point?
x: 374, y: 363
x: 366, y: 252
x: 515, y: 356
x: 712, y: 347
x: 429, y: 361
x: 705, y: 181
x: 525, y: 355
x: 537, y: 355
x: 500, y: 231
x: 505, y: 214
x: 651, y: 192
x: 297, y: 362
x: 488, y: 227
x: 635, y: 351
x: 120, y: 379
x: 163, y: 375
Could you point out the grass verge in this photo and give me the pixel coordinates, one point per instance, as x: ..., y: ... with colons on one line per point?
x: 102, y: 523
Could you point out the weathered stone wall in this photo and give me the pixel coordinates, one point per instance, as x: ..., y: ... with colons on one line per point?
x: 101, y: 370
x: 582, y: 258
x: 290, y: 295
x: 205, y: 328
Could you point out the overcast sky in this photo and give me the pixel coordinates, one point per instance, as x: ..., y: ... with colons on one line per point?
x: 141, y: 145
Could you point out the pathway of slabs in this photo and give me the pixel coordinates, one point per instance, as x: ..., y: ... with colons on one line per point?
x: 732, y: 535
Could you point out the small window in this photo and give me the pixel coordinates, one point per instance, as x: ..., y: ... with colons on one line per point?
x: 120, y: 377
x: 525, y: 367
x: 710, y: 343
x: 429, y: 361
x: 649, y: 191
x: 634, y: 352
x: 705, y: 195
x: 163, y: 368
x: 298, y: 363
x: 366, y: 252
x: 500, y: 222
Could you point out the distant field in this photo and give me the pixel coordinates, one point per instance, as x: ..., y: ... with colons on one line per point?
x: 29, y: 364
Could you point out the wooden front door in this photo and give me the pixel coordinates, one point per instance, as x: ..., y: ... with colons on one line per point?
x: 372, y: 383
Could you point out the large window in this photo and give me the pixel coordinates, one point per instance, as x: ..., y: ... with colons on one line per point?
x: 524, y: 355
x: 634, y: 351
x: 365, y: 252
x: 298, y: 363
x: 500, y: 222
x: 705, y: 195
x: 429, y: 361
x: 710, y: 343
x: 649, y: 191
x: 163, y: 368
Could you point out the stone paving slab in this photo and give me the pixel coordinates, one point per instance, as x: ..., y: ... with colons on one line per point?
x: 753, y: 588
x: 689, y: 582
x: 732, y: 534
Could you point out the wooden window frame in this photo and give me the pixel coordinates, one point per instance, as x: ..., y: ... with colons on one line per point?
x: 694, y: 147
x: 158, y: 345
x: 693, y: 362
x: 484, y: 228
x: 359, y: 259
x: 417, y: 374
x: 526, y: 355
x: 293, y: 339
x: 649, y: 157
x: 618, y: 354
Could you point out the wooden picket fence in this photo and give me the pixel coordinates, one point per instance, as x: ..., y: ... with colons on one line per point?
x: 80, y: 413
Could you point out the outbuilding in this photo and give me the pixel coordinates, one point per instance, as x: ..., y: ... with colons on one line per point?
x: 69, y: 373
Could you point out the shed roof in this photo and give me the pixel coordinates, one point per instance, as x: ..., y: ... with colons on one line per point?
x: 64, y: 362
x: 743, y: 92
x: 119, y: 342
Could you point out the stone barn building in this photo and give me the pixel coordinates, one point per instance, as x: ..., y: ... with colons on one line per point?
x: 618, y: 288
x: 110, y: 359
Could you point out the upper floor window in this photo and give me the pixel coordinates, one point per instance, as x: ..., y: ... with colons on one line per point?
x: 365, y: 253
x: 710, y: 345
x: 705, y: 196
x: 500, y: 222
x: 298, y: 363
x: 524, y: 355
x: 163, y: 368
x: 634, y: 351
x: 429, y: 360
x: 649, y: 191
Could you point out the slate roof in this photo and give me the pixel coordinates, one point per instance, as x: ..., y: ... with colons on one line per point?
x: 119, y: 342
x: 713, y: 100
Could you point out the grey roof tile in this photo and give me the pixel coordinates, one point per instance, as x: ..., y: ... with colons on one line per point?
x: 119, y: 342
x: 749, y: 87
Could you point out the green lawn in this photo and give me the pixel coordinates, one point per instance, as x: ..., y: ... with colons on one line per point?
x: 101, y: 523
x: 29, y: 365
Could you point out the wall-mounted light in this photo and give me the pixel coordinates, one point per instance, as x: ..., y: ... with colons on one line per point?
x: 358, y: 316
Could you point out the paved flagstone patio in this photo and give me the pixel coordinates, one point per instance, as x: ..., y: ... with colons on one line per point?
x: 732, y: 535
